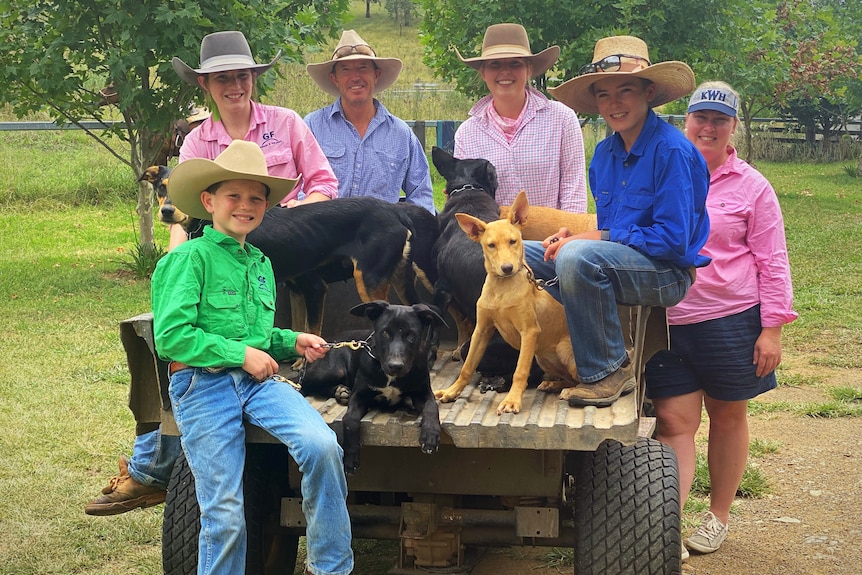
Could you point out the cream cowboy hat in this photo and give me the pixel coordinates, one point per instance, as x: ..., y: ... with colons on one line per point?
x: 671, y: 79
x: 221, y: 51
x: 241, y: 160
x: 510, y: 41
x: 352, y: 47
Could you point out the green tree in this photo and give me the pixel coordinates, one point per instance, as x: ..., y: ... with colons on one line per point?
x: 56, y: 56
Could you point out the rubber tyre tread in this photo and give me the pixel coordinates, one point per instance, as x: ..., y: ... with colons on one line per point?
x: 270, y: 550
x: 627, y: 510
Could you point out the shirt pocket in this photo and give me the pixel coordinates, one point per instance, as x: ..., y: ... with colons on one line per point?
x: 384, y: 181
x: 338, y: 158
x: 281, y: 163
x: 224, y: 312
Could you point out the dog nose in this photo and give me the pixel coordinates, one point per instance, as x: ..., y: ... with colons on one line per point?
x: 167, y: 211
x: 507, y: 268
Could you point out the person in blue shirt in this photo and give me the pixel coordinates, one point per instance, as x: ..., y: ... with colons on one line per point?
x: 372, y: 152
x: 649, y: 184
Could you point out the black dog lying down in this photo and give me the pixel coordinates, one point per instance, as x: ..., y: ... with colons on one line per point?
x: 390, y: 369
x: 470, y: 188
x: 378, y: 244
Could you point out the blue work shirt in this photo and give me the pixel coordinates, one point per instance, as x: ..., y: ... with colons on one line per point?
x: 387, y: 160
x: 653, y: 198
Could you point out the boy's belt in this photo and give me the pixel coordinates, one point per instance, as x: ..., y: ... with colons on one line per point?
x: 175, y: 366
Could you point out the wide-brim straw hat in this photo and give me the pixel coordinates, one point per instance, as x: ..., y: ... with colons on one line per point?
x: 671, y: 79
x: 222, y: 51
x: 352, y: 47
x: 241, y: 160
x: 511, y: 41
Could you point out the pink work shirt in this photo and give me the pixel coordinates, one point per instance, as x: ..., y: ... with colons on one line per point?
x: 545, y: 156
x: 748, y: 250
x: 288, y: 145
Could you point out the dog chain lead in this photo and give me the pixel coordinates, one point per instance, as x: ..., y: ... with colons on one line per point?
x: 540, y: 283
x: 352, y: 344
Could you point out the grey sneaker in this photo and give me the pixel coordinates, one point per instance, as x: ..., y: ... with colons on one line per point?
x: 709, y: 536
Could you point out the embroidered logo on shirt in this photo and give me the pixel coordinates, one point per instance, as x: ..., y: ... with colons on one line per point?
x: 262, y: 284
x: 269, y: 139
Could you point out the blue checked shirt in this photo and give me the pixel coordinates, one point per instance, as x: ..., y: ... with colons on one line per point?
x: 389, y: 159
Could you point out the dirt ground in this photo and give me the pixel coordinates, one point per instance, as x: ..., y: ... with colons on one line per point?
x: 810, y: 523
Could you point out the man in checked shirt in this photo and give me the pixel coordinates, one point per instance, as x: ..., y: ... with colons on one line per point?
x: 372, y: 152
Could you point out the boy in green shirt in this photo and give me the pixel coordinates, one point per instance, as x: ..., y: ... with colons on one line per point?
x: 213, y: 304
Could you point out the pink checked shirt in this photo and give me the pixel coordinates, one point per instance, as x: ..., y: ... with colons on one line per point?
x: 748, y: 250
x: 288, y: 146
x: 545, y: 157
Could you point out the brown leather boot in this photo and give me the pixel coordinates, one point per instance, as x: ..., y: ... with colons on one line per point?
x: 603, y: 392
x: 124, y: 494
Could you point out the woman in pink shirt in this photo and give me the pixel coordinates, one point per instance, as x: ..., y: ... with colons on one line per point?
x: 227, y: 76
x: 725, y: 336
x: 535, y: 144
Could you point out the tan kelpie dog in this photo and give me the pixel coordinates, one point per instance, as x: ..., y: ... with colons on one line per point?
x: 527, y: 317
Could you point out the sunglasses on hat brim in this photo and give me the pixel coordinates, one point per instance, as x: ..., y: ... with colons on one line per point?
x: 612, y: 63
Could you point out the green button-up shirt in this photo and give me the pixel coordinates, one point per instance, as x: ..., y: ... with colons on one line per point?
x: 211, y: 298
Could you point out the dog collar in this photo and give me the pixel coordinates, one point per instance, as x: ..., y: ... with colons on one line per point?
x: 463, y: 188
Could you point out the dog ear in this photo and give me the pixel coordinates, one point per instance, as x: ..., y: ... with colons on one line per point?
x: 371, y: 309
x: 518, y: 211
x: 472, y: 226
x: 444, y: 162
x: 490, y: 182
x: 429, y: 315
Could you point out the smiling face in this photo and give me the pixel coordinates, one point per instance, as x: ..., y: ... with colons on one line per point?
x: 230, y: 90
x: 623, y: 102
x: 507, y: 77
x: 710, y: 131
x: 355, y: 80
x: 236, y: 206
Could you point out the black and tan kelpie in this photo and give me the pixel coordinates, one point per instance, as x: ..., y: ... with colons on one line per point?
x: 470, y: 188
x: 389, y: 369
x: 378, y: 244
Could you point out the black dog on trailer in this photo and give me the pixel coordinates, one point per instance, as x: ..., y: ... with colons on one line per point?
x: 389, y: 368
x: 470, y: 188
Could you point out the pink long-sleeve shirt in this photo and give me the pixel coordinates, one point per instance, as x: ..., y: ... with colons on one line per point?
x: 545, y: 158
x: 748, y: 250
x: 288, y: 145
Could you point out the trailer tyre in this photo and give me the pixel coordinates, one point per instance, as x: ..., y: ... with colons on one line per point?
x: 627, y: 512
x: 271, y: 551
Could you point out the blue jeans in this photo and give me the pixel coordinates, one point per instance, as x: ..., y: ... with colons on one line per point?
x: 594, y: 277
x: 209, y: 409
x: 153, y: 458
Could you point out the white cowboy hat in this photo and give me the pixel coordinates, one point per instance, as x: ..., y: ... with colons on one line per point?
x: 222, y: 51
x: 241, y: 160
x: 352, y: 47
x: 671, y: 79
x: 510, y: 41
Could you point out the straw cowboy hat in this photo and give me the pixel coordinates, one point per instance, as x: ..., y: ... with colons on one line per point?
x: 241, y: 160
x: 510, y: 41
x: 221, y: 51
x: 671, y: 79
x: 352, y: 47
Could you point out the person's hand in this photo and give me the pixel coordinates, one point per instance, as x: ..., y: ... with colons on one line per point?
x: 554, y: 243
x: 311, y: 347
x: 259, y: 364
x: 291, y: 203
x: 767, y: 350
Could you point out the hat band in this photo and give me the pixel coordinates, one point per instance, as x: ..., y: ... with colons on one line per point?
x: 238, y: 60
x: 506, y: 49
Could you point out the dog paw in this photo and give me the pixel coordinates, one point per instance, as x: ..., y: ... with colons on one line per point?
x: 553, y: 386
x: 429, y: 440
x: 342, y: 394
x: 509, y: 406
x: 495, y: 384
x: 351, y: 463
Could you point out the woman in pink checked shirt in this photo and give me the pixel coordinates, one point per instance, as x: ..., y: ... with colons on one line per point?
x: 535, y: 144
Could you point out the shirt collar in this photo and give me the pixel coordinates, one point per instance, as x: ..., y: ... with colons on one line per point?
x: 647, y: 131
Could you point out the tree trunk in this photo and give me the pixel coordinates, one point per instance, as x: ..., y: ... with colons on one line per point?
x: 368, y: 8
x: 145, y: 215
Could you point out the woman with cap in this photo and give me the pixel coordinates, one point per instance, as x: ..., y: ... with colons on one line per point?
x: 372, y: 152
x: 725, y: 335
x: 535, y: 144
x: 227, y: 75
x: 649, y: 184
x: 213, y: 311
